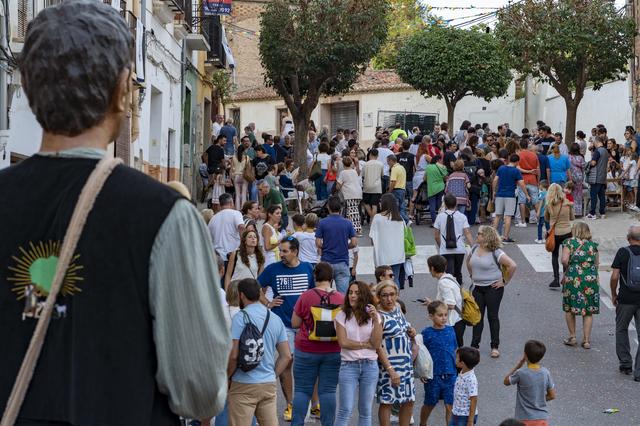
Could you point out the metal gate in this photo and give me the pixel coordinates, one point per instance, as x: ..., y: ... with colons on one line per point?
x: 408, y: 119
x: 344, y: 116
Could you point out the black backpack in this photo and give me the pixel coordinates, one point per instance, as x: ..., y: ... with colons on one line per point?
x: 451, y: 241
x: 251, y: 344
x: 633, y: 272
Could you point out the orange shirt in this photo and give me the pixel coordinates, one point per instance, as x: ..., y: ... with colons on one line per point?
x: 529, y: 161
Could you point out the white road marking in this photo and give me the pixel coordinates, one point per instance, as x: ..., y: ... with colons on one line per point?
x: 366, y: 265
x: 538, y: 257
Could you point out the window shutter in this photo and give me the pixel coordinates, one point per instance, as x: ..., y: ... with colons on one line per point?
x: 344, y: 116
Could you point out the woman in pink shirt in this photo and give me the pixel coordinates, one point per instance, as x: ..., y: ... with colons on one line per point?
x: 359, y: 332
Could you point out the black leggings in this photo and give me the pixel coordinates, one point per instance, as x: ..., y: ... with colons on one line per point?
x: 488, y: 298
x: 555, y: 254
x: 454, y: 265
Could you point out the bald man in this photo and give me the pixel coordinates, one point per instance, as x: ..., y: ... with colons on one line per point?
x: 626, y: 298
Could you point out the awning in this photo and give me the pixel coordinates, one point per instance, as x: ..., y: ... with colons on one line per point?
x: 227, y: 50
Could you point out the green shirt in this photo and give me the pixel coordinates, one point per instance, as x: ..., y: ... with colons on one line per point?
x: 274, y: 197
x: 434, y: 174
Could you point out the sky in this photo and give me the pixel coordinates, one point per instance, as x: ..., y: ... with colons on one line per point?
x: 472, y: 8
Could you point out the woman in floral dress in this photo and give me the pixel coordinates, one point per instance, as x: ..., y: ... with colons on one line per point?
x: 395, y: 381
x: 580, y: 295
x: 577, y: 177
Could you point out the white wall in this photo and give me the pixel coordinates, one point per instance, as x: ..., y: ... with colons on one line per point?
x: 167, y: 83
x: 25, y: 133
x: 609, y: 106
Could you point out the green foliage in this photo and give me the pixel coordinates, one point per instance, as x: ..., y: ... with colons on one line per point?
x: 310, y: 48
x: 451, y: 63
x: 223, y: 85
x: 568, y: 43
x: 404, y: 18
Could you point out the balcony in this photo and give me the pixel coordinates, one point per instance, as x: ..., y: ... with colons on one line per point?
x: 165, y: 10
x: 212, y: 30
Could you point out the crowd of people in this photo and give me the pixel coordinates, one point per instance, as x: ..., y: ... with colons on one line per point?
x: 147, y: 329
x: 497, y: 180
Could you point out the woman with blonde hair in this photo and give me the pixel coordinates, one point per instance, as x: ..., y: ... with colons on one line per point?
x: 490, y: 270
x: 395, y: 380
x: 558, y: 213
x: 207, y: 214
x: 580, y: 285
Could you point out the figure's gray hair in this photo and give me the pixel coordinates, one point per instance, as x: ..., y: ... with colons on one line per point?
x: 73, y: 56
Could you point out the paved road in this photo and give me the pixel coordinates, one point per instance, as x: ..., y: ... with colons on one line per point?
x: 587, y: 382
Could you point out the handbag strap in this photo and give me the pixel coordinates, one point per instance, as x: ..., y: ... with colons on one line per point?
x: 82, y: 209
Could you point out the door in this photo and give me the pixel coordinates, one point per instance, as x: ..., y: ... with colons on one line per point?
x: 344, y: 116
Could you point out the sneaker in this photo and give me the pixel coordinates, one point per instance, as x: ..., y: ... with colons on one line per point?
x: 411, y: 421
x: 533, y: 220
x: 508, y: 239
x: 591, y: 216
x: 602, y: 216
x: 315, y: 411
x: 410, y: 223
x: 288, y: 413
x: 539, y: 241
x: 626, y: 370
x: 554, y: 285
x: 521, y: 225
x: 394, y: 419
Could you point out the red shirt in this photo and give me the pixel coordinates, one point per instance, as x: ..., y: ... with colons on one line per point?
x: 303, y: 306
x: 529, y: 161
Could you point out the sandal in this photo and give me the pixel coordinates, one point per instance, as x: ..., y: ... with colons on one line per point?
x: 570, y: 341
x: 586, y: 345
x: 495, y: 353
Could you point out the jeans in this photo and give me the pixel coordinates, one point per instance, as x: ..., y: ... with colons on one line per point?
x: 541, y: 223
x: 454, y: 265
x: 434, y: 205
x: 363, y: 376
x: 597, y: 191
x: 341, y: 275
x: 398, y: 275
x: 556, y: 253
x: 461, y: 420
x: 472, y: 213
x: 488, y: 298
x: 321, y: 186
x: 307, y: 369
x: 401, y: 195
x: 385, y: 183
x: 624, y: 314
x: 462, y: 209
x: 253, y: 192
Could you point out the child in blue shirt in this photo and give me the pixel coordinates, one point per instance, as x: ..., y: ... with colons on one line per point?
x: 540, y: 204
x: 440, y: 340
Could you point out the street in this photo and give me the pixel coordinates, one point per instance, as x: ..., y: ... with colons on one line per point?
x: 587, y: 381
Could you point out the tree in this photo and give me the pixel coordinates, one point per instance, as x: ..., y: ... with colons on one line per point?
x: 223, y: 87
x: 404, y: 18
x: 451, y: 63
x: 311, y: 48
x: 569, y: 44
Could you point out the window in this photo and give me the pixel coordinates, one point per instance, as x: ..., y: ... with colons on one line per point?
x: 234, y: 113
x: 281, y: 114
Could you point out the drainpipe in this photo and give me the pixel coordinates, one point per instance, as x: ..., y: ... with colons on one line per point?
x: 4, y: 120
x: 183, y: 85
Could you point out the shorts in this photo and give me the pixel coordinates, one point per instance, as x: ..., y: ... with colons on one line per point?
x: 630, y: 185
x: 505, y: 206
x: 462, y: 420
x: 440, y: 387
x: 409, y: 188
x: 533, y: 193
x: 291, y: 338
x: 371, y: 199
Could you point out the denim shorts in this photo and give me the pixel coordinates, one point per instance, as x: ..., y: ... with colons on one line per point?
x: 440, y: 387
x: 291, y: 337
x: 533, y: 193
x: 462, y: 420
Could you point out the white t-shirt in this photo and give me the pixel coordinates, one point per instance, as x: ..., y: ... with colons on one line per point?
x: 460, y: 223
x: 324, y: 160
x: 224, y: 231
x: 448, y: 291
x: 372, y: 172
x: 388, y: 240
x: 466, y: 386
x: 351, y: 184
x: 308, y: 248
x: 383, y: 153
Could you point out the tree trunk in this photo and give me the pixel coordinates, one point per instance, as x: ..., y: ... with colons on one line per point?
x: 301, y: 124
x: 451, y: 108
x: 570, y: 128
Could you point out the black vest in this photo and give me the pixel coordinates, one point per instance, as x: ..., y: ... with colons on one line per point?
x: 98, y: 362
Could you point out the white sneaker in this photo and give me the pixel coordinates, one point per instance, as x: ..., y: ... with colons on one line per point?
x: 411, y: 421
x: 602, y: 216
x: 539, y: 241
x: 591, y: 216
x: 533, y: 220
x: 521, y: 225
x: 395, y: 419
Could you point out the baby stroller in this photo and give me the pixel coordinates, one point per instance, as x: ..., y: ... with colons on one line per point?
x: 421, y: 203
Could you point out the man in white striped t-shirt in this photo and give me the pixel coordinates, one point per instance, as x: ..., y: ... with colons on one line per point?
x: 288, y: 279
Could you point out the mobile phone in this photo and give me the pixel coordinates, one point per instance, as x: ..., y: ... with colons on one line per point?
x: 420, y: 300
x: 368, y: 309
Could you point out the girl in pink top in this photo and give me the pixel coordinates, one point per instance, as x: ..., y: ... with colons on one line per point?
x: 359, y: 332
